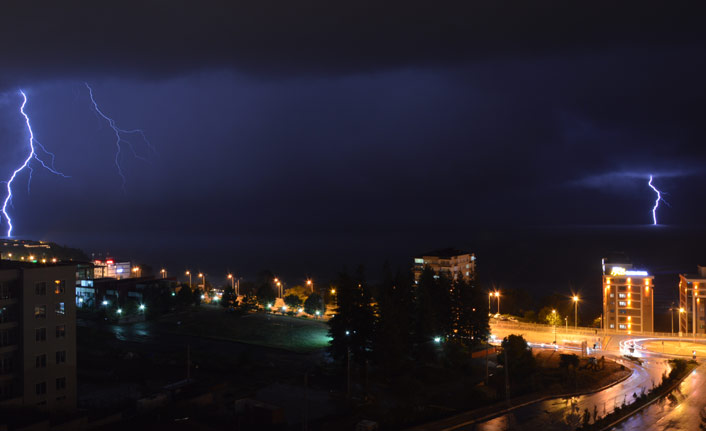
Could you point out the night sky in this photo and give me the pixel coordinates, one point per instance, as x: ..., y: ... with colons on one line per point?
x: 302, y: 136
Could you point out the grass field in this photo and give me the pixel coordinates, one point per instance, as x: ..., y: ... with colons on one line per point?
x: 282, y: 332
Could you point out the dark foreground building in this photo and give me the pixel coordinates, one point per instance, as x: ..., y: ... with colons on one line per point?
x: 37, y: 336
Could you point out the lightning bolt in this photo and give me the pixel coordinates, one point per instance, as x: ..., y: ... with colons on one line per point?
x: 119, y: 137
x: 26, y: 165
x: 659, y: 198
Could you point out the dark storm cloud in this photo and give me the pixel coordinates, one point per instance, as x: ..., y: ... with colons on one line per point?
x: 46, y: 40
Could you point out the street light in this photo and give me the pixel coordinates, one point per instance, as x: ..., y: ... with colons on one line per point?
x: 490, y: 296
x: 681, y: 310
x: 310, y: 284
x: 554, y: 322
x: 497, y: 296
x: 576, y: 311
x: 202, y: 275
x: 189, y: 274
x: 232, y: 281
x: 136, y: 270
x: 164, y: 273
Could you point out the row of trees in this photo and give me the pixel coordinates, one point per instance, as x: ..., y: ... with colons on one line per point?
x: 265, y: 298
x: 401, y: 319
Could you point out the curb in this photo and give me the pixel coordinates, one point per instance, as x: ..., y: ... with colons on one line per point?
x: 536, y: 400
x: 671, y: 388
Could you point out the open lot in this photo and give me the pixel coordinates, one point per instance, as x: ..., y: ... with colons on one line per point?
x: 276, y: 331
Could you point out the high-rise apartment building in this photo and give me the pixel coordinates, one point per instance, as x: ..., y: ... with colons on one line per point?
x: 628, y: 298
x: 449, y: 261
x: 692, y: 290
x: 37, y: 335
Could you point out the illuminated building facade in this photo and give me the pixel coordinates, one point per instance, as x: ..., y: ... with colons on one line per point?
x: 449, y: 261
x: 692, y: 301
x: 628, y: 298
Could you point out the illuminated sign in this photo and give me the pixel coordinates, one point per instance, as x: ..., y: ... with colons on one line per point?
x: 617, y: 270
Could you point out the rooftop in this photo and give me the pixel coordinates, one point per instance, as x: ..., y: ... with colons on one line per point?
x: 445, y: 253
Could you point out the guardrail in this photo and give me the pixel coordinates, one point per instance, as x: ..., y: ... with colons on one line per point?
x: 583, y: 330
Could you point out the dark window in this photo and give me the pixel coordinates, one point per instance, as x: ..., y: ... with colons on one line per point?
x: 40, y: 361
x: 41, y: 388
x: 40, y: 288
x: 61, y: 357
x: 60, y: 383
x: 40, y: 334
x: 61, y: 331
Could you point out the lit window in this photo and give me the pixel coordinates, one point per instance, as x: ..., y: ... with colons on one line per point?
x: 621, y: 295
x: 60, y: 308
x: 59, y: 286
x: 40, y: 311
x: 612, y: 326
x: 622, y: 326
x: 622, y: 303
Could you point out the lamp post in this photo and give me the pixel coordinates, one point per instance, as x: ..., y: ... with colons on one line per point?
x: 681, y: 310
x: 497, y: 296
x: 576, y: 311
x: 310, y: 283
x: 189, y: 274
x: 136, y: 270
x: 333, y: 293
x: 554, y: 322
x: 163, y: 272
x: 490, y: 296
x: 671, y: 319
x: 232, y: 281
x: 202, y: 275
x: 566, y: 321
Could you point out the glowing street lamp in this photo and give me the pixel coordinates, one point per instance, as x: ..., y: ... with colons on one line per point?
x: 163, y: 272
x: 497, y: 296
x: 203, y: 276
x: 189, y: 274
x: 136, y: 270
x: 554, y: 322
x: 310, y: 283
x: 576, y: 310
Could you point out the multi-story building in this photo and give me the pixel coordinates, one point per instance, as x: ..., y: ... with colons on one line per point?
x: 692, y: 289
x: 449, y: 261
x: 37, y: 335
x: 628, y: 298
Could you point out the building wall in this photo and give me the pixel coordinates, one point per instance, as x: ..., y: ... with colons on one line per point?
x: 628, y: 303
x: 692, y: 296
x: 453, y: 266
x: 37, y: 368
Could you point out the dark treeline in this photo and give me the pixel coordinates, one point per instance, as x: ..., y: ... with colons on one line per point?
x: 399, y: 324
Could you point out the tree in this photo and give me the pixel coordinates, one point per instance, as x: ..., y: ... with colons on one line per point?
x: 392, y: 343
x: 301, y: 291
x: 550, y: 316
x: 196, y: 298
x: 351, y: 327
x: 470, y: 313
x: 314, y: 303
x: 229, y: 299
x: 184, y: 296
x: 265, y: 295
x: 521, y: 360
x: 248, y: 303
x: 293, y: 302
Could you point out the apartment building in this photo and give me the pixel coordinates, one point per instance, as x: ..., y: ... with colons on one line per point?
x: 692, y: 289
x: 38, y: 335
x: 449, y: 261
x: 628, y: 298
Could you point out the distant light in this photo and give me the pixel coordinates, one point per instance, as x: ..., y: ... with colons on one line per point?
x: 284, y: 308
x: 269, y: 305
x: 104, y: 302
x: 203, y: 296
x: 437, y: 340
x: 119, y: 270
x: 80, y: 300
x: 318, y: 312
x: 119, y: 310
x: 142, y: 306
x: 348, y: 333
x: 173, y: 294
x: 300, y: 310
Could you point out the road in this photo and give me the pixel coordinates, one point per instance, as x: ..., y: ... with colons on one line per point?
x: 680, y: 411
